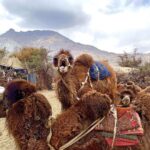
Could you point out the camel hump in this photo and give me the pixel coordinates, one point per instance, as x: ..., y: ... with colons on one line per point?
x: 18, y: 89
x: 98, y: 71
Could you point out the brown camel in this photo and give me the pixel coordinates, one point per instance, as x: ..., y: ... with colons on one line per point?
x: 139, y: 99
x: 73, y: 80
x: 74, y: 120
x: 27, y: 116
x: 93, y: 105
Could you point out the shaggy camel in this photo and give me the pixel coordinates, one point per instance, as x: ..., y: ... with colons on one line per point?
x: 135, y: 95
x: 28, y: 113
x: 139, y: 99
x: 79, y: 116
x: 66, y: 82
x: 74, y: 80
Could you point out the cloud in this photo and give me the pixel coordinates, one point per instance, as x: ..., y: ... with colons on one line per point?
x: 46, y: 14
x: 123, y: 30
x: 116, y: 6
x: 112, y: 25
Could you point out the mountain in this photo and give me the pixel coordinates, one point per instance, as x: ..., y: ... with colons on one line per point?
x: 52, y: 40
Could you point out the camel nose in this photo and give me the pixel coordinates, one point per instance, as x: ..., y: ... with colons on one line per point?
x: 63, y: 63
x: 126, y: 100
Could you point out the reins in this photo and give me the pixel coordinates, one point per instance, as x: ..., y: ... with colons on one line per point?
x: 76, y: 138
x: 86, y: 131
x: 114, y: 113
x: 82, y: 134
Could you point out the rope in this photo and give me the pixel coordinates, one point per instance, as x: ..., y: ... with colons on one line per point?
x: 50, y: 133
x: 82, y: 134
x: 86, y: 80
x: 114, y: 111
x: 83, y: 84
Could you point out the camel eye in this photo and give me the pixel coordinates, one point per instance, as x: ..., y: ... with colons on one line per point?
x: 70, y: 58
x: 55, y: 61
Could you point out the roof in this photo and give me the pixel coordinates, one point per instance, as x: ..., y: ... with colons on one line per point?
x: 13, y: 62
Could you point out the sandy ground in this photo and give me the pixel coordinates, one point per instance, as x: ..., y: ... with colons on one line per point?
x: 6, y: 141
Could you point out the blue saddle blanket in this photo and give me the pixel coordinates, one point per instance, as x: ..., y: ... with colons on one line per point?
x: 98, y: 71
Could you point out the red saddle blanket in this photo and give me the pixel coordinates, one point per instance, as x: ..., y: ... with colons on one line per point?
x: 129, y: 127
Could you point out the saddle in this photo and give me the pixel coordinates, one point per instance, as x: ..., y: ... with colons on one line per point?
x: 129, y: 127
x: 98, y: 71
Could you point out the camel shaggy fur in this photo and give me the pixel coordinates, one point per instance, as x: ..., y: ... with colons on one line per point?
x: 140, y: 100
x: 79, y: 116
x: 2, y: 110
x: 71, y: 75
x: 66, y: 82
x: 139, y: 97
x: 106, y: 86
x: 28, y: 113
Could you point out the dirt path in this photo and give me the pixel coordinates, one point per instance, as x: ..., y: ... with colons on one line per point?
x: 6, y: 141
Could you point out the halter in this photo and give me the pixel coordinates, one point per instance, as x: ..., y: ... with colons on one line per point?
x: 87, y: 78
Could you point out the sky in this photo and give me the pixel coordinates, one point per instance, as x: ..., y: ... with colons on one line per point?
x: 111, y: 25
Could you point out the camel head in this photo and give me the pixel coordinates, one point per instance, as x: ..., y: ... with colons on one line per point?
x: 127, y: 96
x: 17, y: 90
x: 63, y: 61
x: 127, y: 93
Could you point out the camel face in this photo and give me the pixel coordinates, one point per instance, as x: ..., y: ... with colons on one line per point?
x: 63, y: 61
x: 126, y: 98
x: 17, y: 90
x: 126, y: 94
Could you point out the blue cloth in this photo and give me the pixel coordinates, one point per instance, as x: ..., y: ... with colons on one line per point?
x: 99, y: 71
x: 31, y: 78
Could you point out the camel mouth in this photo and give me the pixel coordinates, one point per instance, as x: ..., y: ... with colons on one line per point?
x: 63, y: 69
x: 126, y: 100
x: 64, y: 66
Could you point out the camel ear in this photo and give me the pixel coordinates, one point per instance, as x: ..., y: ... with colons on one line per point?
x: 19, y: 107
x: 70, y: 58
x: 55, y: 61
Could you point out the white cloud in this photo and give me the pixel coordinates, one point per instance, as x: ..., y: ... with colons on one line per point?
x: 113, y: 25
x: 121, y: 31
x: 7, y: 20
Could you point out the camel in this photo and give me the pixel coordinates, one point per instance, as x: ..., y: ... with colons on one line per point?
x: 139, y: 100
x: 65, y: 85
x: 74, y: 79
x: 71, y: 122
x: 27, y: 115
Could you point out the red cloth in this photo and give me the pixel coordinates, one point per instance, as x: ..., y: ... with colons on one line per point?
x: 129, y: 123
x: 122, y: 142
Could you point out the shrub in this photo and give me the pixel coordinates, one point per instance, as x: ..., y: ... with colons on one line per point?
x: 141, y: 76
x: 130, y: 60
x: 37, y: 60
